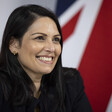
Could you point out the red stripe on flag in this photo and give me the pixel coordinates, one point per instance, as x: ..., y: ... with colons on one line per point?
x: 96, y: 64
x: 69, y: 27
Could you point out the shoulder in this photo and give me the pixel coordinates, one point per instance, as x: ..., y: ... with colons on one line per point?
x: 72, y: 76
x: 74, y: 88
x: 74, y: 91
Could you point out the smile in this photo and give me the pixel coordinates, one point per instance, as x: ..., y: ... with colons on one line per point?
x: 48, y: 60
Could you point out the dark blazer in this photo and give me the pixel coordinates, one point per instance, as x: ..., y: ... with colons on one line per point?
x: 75, y: 97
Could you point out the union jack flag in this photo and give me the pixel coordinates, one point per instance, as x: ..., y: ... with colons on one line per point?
x: 87, y: 33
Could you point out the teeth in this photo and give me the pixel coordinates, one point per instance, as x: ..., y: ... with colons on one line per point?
x: 45, y: 58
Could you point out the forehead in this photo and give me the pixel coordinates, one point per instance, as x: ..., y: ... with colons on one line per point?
x: 43, y: 23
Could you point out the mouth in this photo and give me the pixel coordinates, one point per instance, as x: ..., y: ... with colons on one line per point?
x: 45, y: 59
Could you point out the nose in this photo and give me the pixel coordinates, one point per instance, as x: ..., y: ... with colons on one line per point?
x: 49, y: 47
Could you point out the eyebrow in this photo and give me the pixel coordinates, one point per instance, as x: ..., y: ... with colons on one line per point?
x: 39, y: 33
x: 44, y: 34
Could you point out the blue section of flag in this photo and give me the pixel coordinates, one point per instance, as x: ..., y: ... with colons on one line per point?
x: 62, y: 5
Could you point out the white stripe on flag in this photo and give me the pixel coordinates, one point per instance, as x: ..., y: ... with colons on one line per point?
x: 75, y: 45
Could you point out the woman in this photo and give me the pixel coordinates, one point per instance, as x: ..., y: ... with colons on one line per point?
x: 32, y: 78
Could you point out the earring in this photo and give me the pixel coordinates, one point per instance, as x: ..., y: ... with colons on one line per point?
x: 14, y: 52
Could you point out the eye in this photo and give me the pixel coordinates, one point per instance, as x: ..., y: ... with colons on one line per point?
x: 56, y: 39
x: 40, y: 38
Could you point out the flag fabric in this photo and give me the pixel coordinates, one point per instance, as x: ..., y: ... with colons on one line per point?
x: 87, y: 33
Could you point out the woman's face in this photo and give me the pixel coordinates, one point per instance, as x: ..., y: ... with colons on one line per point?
x: 40, y: 47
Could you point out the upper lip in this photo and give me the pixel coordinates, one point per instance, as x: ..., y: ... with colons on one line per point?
x: 48, y: 56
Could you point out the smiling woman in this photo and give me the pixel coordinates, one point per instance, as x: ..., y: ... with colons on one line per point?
x: 42, y: 49
x: 31, y: 74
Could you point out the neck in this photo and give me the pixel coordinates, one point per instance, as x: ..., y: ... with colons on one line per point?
x: 37, y: 81
x: 37, y: 92
x: 36, y: 78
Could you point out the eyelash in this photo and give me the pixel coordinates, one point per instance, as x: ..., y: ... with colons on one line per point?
x: 56, y: 39
x: 42, y: 38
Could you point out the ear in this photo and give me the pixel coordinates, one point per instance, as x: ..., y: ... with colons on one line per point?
x: 14, y: 45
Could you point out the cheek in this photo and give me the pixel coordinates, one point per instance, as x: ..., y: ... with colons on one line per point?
x: 37, y: 47
x: 34, y: 47
x: 58, y: 50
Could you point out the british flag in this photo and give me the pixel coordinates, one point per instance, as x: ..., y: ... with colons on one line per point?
x: 87, y: 33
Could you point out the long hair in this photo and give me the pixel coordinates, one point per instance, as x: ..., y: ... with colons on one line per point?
x: 17, y: 86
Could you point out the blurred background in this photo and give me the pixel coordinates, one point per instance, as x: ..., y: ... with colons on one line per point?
x: 87, y: 34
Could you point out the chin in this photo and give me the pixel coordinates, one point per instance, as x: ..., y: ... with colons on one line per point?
x: 47, y: 70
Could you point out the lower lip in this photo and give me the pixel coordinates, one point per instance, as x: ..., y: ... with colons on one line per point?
x: 46, y: 62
